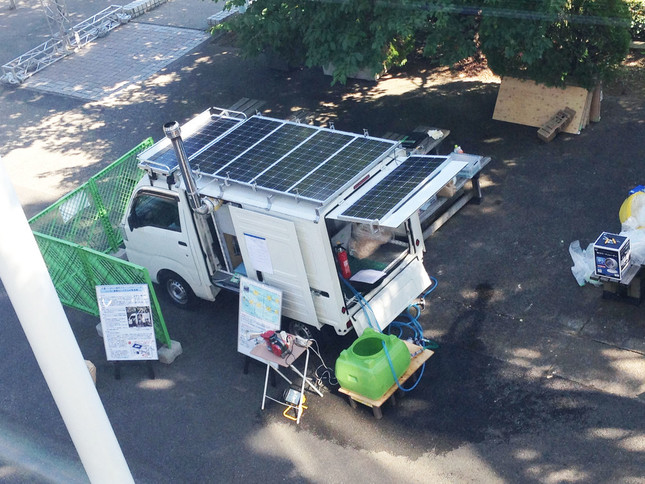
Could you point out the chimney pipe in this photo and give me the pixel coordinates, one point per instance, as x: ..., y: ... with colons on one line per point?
x: 173, y: 132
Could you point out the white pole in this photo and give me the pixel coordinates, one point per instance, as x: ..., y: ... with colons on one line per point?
x: 31, y: 291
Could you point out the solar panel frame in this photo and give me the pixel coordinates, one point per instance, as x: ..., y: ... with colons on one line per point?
x: 280, y: 157
x: 269, y: 153
x: 321, y: 188
x: 401, y: 207
x: 395, y: 188
x: 288, y: 185
x: 263, y: 172
x: 214, y: 158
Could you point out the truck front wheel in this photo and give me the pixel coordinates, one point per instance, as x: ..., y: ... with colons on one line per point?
x: 178, y: 290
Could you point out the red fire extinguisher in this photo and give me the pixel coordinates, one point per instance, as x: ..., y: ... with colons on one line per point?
x: 343, y: 262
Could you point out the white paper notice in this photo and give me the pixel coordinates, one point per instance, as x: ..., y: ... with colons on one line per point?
x: 126, y: 320
x: 369, y: 276
x: 258, y: 250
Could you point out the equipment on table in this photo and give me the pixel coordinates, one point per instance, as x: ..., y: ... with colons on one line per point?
x: 279, y: 344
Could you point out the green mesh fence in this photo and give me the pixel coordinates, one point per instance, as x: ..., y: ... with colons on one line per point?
x: 77, y: 233
x: 91, y: 214
x: 76, y: 271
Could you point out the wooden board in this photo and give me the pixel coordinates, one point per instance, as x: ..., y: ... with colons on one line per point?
x: 531, y: 104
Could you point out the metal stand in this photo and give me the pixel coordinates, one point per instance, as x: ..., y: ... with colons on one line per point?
x: 629, y: 288
x: 64, y: 42
x: 275, y: 362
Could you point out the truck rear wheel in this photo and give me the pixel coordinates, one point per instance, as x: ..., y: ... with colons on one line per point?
x: 298, y: 328
x: 178, y: 290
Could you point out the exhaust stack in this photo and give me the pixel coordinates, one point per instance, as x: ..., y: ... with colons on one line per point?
x: 173, y: 132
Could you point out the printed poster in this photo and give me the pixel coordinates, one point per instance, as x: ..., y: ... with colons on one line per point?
x: 259, y: 254
x: 126, y: 319
x: 260, y: 311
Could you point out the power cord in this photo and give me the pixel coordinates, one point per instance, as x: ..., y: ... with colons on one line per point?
x: 322, y: 372
x: 413, y: 325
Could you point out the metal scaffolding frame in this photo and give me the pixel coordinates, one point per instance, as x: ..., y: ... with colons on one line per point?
x: 64, y: 41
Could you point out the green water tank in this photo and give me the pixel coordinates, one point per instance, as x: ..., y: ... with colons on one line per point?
x: 363, y: 367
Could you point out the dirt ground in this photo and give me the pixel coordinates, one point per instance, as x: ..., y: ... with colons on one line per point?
x: 629, y: 79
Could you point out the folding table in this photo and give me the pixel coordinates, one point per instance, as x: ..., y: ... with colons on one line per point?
x: 262, y: 352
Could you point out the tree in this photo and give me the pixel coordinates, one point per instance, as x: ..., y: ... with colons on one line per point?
x: 557, y: 42
x: 350, y: 34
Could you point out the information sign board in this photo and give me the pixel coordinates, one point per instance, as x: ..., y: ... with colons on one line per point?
x: 126, y: 320
x: 260, y: 311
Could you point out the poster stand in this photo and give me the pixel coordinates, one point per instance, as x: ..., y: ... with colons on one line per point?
x: 128, y: 330
x: 260, y: 311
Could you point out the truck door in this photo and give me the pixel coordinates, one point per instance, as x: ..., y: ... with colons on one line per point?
x: 158, y: 235
x: 269, y: 245
x: 388, y: 200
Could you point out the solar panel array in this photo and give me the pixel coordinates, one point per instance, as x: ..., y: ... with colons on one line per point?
x: 395, y: 189
x: 284, y: 157
x: 192, y: 144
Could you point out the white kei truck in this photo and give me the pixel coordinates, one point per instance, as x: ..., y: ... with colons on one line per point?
x: 279, y: 202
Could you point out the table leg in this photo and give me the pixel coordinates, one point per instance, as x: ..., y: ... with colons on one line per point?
x: 266, y: 382
x: 302, y: 387
x: 304, y: 377
x: 378, y: 414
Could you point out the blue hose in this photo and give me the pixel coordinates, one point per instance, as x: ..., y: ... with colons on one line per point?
x: 413, y: 325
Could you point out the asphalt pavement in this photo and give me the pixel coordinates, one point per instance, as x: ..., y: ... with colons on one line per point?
x: 536, y: 379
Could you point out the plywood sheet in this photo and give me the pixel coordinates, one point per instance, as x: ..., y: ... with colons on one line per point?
x: 531, y: 104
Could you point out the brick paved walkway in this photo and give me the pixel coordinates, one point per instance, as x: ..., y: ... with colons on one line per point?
x: 131, y: 53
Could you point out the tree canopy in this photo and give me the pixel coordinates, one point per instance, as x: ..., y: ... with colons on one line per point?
x: 556, y: 42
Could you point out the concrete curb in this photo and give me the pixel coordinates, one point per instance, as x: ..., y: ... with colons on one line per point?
x: 139, y: 7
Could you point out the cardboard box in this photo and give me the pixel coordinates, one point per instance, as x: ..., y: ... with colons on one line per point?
x: 233, y: 250
x: 448, y: 190
x: 611, y: 254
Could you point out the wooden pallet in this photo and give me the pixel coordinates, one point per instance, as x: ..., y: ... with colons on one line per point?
x: 531, y: 104
x: 416, y: 362
x: 557, y: 123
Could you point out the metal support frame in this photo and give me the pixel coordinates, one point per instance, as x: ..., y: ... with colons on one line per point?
x: 58, y: 20
x: 64, y: 41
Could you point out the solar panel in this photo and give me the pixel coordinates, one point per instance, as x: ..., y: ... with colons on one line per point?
x: 342, y: 167
x: 193, y: 142
x: 220, y: 154
x: 302, y: 161
x: 263, y: 156
x: 395, y: 188
x: 296, y: 159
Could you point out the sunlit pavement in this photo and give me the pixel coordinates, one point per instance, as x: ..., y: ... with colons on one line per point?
x: 536, y: 379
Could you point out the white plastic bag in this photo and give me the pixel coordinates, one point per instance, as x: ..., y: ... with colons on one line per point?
x: 636, y: 243
x: 583, y: 263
